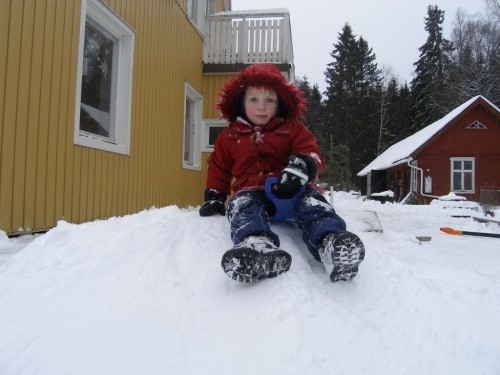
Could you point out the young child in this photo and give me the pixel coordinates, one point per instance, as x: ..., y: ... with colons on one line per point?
x: 265, y: 139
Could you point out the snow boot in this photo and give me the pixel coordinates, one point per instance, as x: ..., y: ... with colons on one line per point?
x: 255, y: 258
x: 341, y: 254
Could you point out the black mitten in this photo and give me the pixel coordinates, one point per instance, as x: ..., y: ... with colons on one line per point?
x: 300, y: 170
x: 214, y: 203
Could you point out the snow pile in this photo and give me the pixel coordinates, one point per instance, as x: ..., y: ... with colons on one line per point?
x: 452, y: 197
x: 453, y: 201
x: 387, y: 194
x: 145, y: 294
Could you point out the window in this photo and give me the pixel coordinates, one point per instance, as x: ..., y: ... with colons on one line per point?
x: 196, y: 12
x: 192, y: 127
x: 462, y: 175
x: 476, y: 125
x: 212, y: 130
x: 193, y: 10
x: 210, y: 7
x: 414, y: 176
x: 199, y: 9
x: 104, y: 82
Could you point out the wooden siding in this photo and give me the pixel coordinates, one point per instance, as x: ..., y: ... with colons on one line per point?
x: 458, y: 141
x: 212, y: 85
x: 44, y: 177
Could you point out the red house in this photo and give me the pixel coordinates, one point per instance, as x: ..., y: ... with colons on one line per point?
x: 459, y: 153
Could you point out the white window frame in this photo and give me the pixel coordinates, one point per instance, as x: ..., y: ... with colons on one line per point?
x: 207, y: 125
x: 473, y: 171
x: 414, y: 176
x: 121, y: 93
x: 192, y: 132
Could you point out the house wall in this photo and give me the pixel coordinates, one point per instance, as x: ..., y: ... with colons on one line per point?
x: 457, y: 141
x: 44, y: 177
x: 212, y: 85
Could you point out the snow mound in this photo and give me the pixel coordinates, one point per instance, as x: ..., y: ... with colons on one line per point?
x: 145, y: 294
x: 452, y: 197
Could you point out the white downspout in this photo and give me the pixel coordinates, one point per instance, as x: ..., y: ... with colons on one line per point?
x: 421, y: 179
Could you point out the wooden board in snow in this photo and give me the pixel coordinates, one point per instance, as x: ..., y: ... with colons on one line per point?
x: 486, y: 220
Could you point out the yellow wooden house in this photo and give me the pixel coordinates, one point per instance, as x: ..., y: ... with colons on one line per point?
x: 107, y: 106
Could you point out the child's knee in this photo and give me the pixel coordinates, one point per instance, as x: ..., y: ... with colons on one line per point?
x: 239, y: 203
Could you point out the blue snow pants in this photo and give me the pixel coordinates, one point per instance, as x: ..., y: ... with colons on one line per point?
x: 249, y: 214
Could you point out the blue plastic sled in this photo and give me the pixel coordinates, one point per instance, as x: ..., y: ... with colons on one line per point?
x: 284, y: 207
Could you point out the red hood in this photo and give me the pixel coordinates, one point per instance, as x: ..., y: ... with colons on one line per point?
x: 263, y: 75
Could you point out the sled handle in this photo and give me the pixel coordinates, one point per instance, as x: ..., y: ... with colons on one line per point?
x: 284, y: 207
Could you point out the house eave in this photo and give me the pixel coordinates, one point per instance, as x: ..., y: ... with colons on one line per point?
x: 382, y: 167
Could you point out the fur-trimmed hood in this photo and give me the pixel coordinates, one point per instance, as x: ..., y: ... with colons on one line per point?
x: 291, y: 103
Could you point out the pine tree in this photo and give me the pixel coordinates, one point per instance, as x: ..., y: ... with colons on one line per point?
x: 395, y: 114
x: 337, y: 170
x: 341, y: 81
x: 315, y: 116
x: 432, y: 71
x: 314, y: 105
x: 352, y: 97
x: 368, y: 98
x: 401, y: 109
x: 388, y: 93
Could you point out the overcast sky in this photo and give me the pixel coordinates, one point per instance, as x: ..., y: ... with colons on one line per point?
x: 394, y: 29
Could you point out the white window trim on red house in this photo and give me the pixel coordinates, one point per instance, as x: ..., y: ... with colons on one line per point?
x: 462, y: 171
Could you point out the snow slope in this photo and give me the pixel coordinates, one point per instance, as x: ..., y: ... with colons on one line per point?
x: 145, y: 294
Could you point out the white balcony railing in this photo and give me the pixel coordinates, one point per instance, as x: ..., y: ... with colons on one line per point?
x: 248, y: 37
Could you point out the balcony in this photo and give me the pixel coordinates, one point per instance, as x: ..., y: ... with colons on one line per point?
x: 236, y: 39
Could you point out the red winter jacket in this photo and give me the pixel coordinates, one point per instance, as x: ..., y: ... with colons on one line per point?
x: 238, y: 155
x: 250, y: 154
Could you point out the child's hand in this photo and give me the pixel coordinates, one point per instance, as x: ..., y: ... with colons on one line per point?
x: 300, y: 170
x: 214, y: 203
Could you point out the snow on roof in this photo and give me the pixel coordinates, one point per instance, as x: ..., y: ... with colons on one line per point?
x: 400, y: 152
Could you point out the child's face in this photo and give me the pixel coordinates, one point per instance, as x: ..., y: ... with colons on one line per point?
x: 260, y: 105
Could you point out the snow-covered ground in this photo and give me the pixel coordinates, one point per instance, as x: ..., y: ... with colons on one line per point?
x: 145, y: 294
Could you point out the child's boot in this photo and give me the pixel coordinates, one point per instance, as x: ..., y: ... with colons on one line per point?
x: 255, y: 258
x: 341, y: 254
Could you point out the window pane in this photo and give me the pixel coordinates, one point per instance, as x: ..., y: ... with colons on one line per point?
x: 210, y: 7
x: 213, y: 133
x: 96, y: 82
x: 467, y: 181
x: 457, y: 181
x: 189, y: 133
x: 468, y: 165
x: 457, y: 165
x: 193, y: 10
